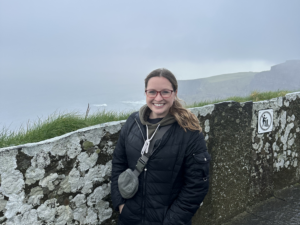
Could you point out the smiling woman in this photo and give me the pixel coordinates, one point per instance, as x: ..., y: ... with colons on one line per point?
x: 160, y: 166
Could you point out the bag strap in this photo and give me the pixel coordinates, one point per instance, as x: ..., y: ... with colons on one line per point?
x: 142, y: 161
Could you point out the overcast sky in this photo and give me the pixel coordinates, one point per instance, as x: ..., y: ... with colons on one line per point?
x: 59, y: 50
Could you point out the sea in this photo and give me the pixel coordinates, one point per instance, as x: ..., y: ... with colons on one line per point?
x: 19, y: 113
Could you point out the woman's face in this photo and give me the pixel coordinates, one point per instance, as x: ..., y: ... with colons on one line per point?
x: 159, y: 106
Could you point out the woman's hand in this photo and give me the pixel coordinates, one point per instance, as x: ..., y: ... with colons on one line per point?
x: 121, y: 208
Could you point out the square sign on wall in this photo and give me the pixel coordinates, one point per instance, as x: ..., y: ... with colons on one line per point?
x: 265, y: 121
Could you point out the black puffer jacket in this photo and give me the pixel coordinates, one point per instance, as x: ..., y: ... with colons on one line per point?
x: 174, y: 181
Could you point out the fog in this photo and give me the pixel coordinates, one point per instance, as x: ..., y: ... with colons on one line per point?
x: 62, y: 55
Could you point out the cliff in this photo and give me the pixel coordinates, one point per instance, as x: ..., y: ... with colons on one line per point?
x: 284, y: 76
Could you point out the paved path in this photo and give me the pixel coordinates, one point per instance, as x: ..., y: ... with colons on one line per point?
x: 282, y: 210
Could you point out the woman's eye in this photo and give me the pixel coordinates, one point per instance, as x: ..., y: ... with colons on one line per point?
x: 165, y: 92
x: 151, y: 92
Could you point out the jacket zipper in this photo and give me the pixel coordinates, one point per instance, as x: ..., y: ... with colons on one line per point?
x: 140, y: 129
x: 145, y: 172
x: 144, y: 192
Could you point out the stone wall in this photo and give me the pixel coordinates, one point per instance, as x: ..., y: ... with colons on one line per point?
x: 65, y: 180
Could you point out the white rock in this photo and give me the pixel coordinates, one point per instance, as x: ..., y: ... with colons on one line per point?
x: 91, y: 217
x: 35, y: 196
x: 283, y: 119
x: 12, y: 182
x: 2, y: 203
x: 280, y: 162
x: 15, y: 205
x: 40, y: 160
x: 295, y: 163
x: 80, y: 208
x: 95, y: 135
x: 291, y: 142
x: 14, y: 220
x: 112, y: 128
x: 47, y: 210
x: 64, y: 186
x: 75, y: 181
x: 207, y: 127
x: 287, y: 163
x: 48, y: 181
x: 104, y: 212
x: 292, y: 96
x: 94, y: 175
x: 286, y: 103
x: 108, y: 148
x: 34, y: 174
x: 98, y: 194
x: 206, y: 137
x: 60, y: 165
x: 73, y: 152
x: 64, y: 215
x: 30, y: 218
x: 60, y: 148
x: 288, y: 128
x: 86, y: 161
x: 203, y: 111
x: 8, y: 160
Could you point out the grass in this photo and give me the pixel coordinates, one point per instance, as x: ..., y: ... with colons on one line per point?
x: 254, y: 97
x: 55, y: 125
x: 58, y: 124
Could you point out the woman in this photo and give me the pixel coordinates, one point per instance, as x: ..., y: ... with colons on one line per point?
x: 174, y: 181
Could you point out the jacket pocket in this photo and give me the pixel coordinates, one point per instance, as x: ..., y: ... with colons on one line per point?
x: 203, y: 160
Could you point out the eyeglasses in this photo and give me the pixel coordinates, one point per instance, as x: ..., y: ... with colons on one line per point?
x: 163, y: 93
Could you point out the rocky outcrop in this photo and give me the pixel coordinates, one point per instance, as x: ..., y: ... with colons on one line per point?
x: 284, y: 76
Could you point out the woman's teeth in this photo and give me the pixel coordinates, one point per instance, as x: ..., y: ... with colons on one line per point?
x: 158, y: 104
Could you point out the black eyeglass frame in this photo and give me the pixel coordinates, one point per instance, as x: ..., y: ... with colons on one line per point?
x: 159, y: 93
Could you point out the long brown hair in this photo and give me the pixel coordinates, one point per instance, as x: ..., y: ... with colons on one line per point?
x: 184, y: 117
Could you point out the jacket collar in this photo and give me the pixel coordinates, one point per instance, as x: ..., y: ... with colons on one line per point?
x: 144, y: 114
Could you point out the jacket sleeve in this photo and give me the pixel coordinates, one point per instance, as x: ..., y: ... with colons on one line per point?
x: 119, y: 164
x: 196, y: 183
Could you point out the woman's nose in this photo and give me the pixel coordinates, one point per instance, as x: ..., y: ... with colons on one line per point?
x: 158, y: 97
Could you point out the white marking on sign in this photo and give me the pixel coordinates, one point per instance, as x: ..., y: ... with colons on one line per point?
x: 265, y: 121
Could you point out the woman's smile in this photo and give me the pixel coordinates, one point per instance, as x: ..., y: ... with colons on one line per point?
x: 159, y: 105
